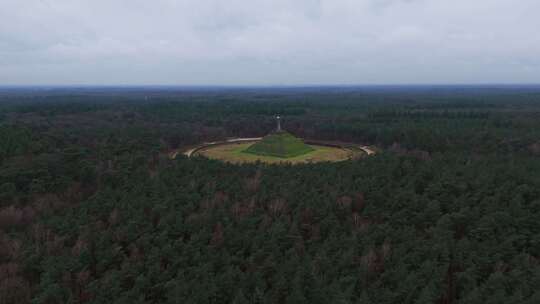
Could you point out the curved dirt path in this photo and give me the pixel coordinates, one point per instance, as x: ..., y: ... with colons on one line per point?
x: 189, y: 153
x: 368, y: 150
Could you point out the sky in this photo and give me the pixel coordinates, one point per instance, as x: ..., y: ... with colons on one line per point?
x: 269, y: 42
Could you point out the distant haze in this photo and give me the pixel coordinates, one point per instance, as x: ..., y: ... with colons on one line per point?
x: 269, y: 42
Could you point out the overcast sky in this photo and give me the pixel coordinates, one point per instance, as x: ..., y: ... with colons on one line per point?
x: 269, y: 42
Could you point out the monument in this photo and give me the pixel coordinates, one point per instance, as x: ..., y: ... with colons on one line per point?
x: 278, y: 118
x: 279, y: 143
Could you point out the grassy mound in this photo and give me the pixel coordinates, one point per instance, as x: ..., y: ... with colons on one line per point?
x: 235, y: 153
x: 279, y: 144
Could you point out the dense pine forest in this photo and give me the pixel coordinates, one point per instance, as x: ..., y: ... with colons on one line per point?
x: 94, y: 210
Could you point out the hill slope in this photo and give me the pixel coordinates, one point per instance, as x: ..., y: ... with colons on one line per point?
x: 280, y: 144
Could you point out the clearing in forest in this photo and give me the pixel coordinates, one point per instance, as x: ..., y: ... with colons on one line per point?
x: 236, y: 153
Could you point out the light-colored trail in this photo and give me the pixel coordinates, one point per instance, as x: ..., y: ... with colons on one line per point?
x: 190, y: 152
x: 368, y: 150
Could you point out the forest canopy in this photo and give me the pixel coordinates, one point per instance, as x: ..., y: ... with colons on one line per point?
x: 94, y: 210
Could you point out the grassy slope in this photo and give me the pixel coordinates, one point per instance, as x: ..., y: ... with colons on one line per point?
x: 235, y: 153
x: 280, y: 144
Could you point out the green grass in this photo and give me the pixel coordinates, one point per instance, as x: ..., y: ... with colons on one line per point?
x: 235, y: 153
x: 281, y: 144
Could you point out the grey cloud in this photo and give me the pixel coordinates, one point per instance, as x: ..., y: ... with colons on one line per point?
x: 268, y: 41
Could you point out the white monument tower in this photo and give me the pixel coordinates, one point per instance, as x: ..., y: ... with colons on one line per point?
x: 278, y: 118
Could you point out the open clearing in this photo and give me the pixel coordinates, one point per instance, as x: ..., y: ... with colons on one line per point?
x: 234, y: 153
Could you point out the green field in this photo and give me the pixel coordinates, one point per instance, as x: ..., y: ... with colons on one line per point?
x: 235, y: 153
x: 281, y: 144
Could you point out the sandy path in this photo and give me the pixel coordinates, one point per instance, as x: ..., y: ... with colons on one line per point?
x: 189, y: 153
x: 368, y: 150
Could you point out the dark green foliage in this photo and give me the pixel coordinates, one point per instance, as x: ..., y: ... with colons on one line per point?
x: 13, y: 141
x: 92, y: 209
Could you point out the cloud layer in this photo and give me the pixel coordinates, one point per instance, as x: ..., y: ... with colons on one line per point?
x: 265, y: 42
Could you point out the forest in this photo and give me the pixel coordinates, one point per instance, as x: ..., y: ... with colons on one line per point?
x: 94, y: 210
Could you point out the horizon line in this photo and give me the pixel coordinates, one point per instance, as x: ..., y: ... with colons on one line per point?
x: 494, y: 84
